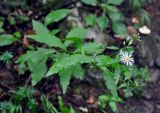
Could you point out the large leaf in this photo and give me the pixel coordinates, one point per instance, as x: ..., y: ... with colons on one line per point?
x: 43, y: 35
x: 90, y: 2
x: 77, y: 71
x: 65, y: 76
x: 6, y: 39
x: 56, y: 15
x: 109, y: 82
x: 77, y: 32
x: 67, y: 62
x: 92, y: 48
x: 115, y: 2
x: 36, y: 62
x: 119, y: 28
x: 38, y: 71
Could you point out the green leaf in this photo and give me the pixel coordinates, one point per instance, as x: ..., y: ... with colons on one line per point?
x: 117, y: 74
x: 115, y: 2
x: 90, y: 2
x: 112, y: 48
x: 119, y: 28
x: 115, y: 16
x: 6, y: 39
x: 37, y: 65
x: 92, y: 48
x: 113, y: 106
x: 43, y: 36
x: 65, y: 76
x: 103, y: 60
x: 111, y: 8
x: 109, y: 82
x: 56, y: 16
x: 55, y: 31
x: 68, y: 61
x: 77, y: 71
x: 77, y: 32
x: 1, y: 25
x: 103, y: 22
x: 38, y: 71
x: 39, y: 28
x: 90, y: 20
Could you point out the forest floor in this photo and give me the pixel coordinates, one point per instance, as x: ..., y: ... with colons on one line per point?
x: 85, y: 92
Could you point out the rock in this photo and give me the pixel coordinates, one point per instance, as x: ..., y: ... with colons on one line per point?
x: 147, y: 94
x: 157, y: 62
x: 155, y: 75
x: 98, y: 36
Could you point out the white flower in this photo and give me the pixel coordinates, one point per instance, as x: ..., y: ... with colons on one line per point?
x: 126, y: 58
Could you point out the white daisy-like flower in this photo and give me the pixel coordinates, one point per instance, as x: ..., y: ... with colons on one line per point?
x: 126, y: 58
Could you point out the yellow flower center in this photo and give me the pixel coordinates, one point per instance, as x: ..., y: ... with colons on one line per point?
x: 127, y: 59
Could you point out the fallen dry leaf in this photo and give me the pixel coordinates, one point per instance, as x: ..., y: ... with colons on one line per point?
x: 91, y: 100
x: 131, y: 30
x: 25, y: 41
x: 135, y: 20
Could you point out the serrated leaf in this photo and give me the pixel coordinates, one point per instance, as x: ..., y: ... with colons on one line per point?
x: 117, y: 74
x: 119, y: 28
x: 109, y: 82
x: 68, y: 61
x: 78, y: 32
x: 43, y: 35
x: 56, y: 16
x: 90, y: 2
x: 115, y: 2
x: 38, y: 71
x: 65, y: 76
x: 36, y: 62
x: 32, y: 55
x: 103, y: 60
x: 103, y: 22
x: 7, y: 39
x: 77, y: 71
x: 92, y: 48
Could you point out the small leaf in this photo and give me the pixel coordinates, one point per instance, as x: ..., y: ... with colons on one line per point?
x: 119, y: 28
x: 112, y: 48
x: 6, y: 39
x: 116, y: 16
x: 56, y: 16
x: 90, y: 2
x: 113, y: 106
x: 115, y: 2
x: 103, y: 22
x: 90, y: 20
